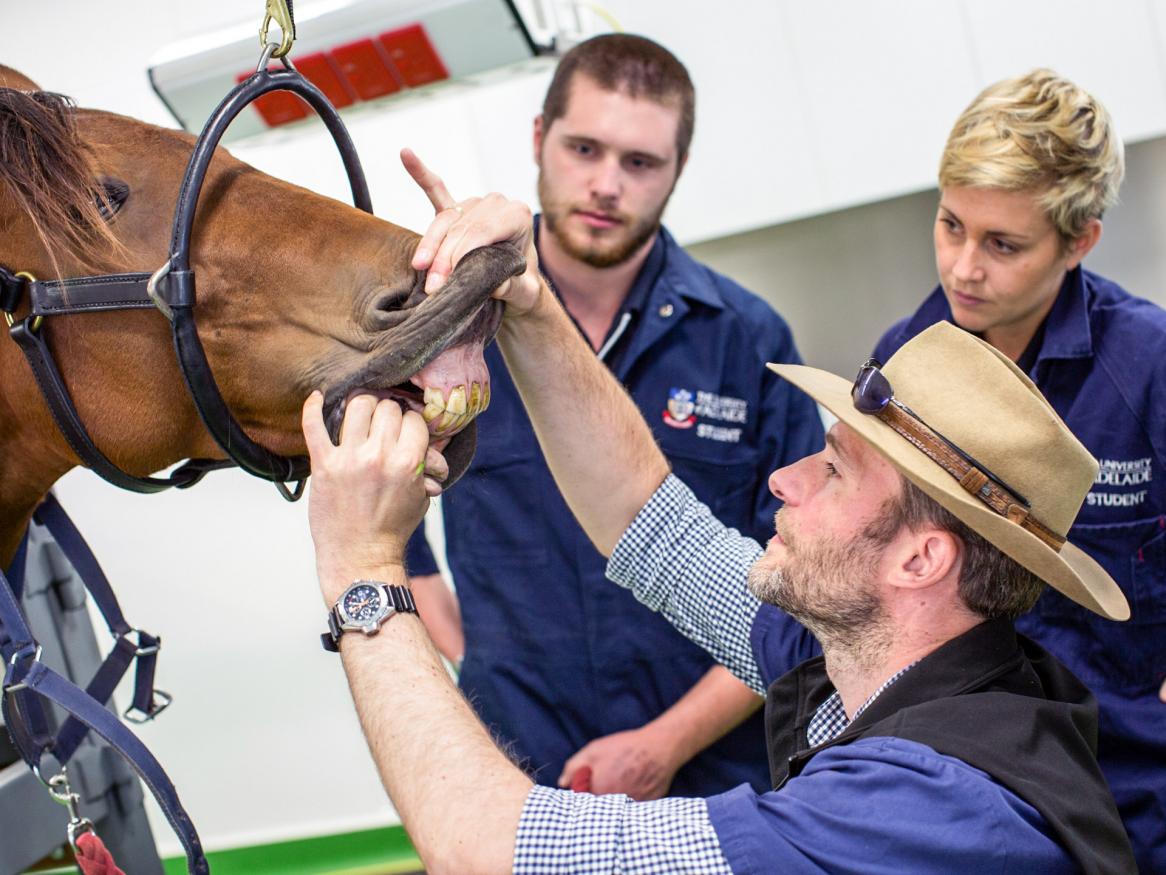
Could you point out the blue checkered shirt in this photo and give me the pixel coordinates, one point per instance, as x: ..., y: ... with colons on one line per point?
x: 679, y: 560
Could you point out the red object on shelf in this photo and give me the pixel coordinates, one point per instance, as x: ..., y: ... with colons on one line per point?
x: 413, y: 55
x: 321, y: 71
x: 278, y: 107
x: 365, y: 69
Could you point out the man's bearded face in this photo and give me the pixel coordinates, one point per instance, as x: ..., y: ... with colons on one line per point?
x: 598, y: 247
x: 827, y: 585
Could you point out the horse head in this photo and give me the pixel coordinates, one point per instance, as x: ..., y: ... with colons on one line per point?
x: 296, y: 292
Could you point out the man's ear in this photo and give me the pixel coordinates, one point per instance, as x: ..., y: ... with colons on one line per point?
x: 539, y: 130
x: 924, y: 558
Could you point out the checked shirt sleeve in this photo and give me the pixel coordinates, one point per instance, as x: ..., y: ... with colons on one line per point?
x: 679, y: 560
x: 566, y: 833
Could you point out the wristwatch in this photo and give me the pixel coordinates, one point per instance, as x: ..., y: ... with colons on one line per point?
x: 365, y: 605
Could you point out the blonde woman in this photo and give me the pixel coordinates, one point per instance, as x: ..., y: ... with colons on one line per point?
x: 1027, y: 174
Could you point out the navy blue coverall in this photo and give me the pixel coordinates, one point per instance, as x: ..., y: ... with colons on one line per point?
x: 1100, y: 360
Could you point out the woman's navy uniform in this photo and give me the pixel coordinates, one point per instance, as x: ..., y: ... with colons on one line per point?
x: 1100, y: 360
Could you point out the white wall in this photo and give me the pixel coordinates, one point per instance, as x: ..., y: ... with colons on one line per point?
x: 803, y: 108
x: 842, y: 278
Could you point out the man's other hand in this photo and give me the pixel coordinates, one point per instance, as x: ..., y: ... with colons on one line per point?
x: 637, y: 762
x: 369, y: 493
x: 462, y: 226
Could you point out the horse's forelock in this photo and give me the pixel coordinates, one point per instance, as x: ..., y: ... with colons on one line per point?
x: 49, y: 174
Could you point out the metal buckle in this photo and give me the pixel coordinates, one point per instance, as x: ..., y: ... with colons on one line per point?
x: 21, y: 685
x: 152, y: 290
x: 144, y: 651
x: 161, y: 702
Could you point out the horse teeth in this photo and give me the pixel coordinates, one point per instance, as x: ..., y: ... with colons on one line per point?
x: 446, y: 422
x: 433, y: 396
x: 476, y: 399
x: 431, y: 412
x: 485, y: 397
x: 457, y: 401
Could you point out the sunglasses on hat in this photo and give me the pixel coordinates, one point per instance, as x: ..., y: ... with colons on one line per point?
x: 872, y: 394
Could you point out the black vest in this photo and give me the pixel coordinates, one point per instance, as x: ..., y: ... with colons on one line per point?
x: 1000, y: 703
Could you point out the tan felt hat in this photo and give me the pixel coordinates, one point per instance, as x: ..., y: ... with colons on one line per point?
x: 956, y: 387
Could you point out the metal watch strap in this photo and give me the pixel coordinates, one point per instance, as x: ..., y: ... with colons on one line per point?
x: 400, y: 598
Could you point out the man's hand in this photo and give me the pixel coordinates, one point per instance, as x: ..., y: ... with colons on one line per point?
x: 369, y: 493
x: 460, y: 227
x: 637, y: 762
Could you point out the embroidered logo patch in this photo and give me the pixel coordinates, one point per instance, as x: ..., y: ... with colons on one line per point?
x: 684, y: 408
x: 1125, y: 475
x: 678, y: 412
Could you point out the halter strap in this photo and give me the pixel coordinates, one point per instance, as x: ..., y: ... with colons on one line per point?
x: 175, y: 280
x: 84, y: 294
x: 171, y: 290
x: 28, y: 683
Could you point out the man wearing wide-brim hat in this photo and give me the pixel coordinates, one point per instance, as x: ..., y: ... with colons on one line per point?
x: 927, y: 736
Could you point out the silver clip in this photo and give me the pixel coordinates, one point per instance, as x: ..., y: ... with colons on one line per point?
x: 63, y: 794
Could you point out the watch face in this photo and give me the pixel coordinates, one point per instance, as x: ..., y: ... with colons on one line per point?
x: 362, y: 603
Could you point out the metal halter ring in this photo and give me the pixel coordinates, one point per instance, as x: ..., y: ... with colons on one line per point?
x: 34, y: 326
x: 152, y: 290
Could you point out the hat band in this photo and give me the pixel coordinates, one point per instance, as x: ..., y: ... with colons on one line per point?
x: 971, y: 478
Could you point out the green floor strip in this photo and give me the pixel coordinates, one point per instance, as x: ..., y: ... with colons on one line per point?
x: 384, y: 851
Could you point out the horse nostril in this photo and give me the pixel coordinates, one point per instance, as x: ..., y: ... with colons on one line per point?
x: 390, y: 302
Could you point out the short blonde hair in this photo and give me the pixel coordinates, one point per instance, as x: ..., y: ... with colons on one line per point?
x: 1039, y: 132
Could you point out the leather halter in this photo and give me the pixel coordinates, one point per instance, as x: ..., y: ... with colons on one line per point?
x: 171, y: 289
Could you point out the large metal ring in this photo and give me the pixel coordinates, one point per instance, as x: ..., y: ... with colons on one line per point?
x: 34, y: 325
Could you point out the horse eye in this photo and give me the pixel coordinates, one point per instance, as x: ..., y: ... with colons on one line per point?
x: 111, y: 197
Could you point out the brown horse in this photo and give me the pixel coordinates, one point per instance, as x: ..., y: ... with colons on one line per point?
x: 295, y: 292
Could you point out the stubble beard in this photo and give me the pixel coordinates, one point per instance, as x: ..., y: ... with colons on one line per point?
x: 600, y: 249
x: 829, y: 588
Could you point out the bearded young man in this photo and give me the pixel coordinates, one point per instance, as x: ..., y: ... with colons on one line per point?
x: 929, y: 737
x: 590, y: 688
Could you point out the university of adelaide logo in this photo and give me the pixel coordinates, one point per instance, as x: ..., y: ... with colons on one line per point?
x: 1127, y: 483
x: 684, y: 407
x: 678, y: 413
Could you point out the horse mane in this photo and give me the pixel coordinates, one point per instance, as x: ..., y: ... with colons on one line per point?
x: 48, y: 172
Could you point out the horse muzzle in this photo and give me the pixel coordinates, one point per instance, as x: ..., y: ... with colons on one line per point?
x: 432, y: 362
